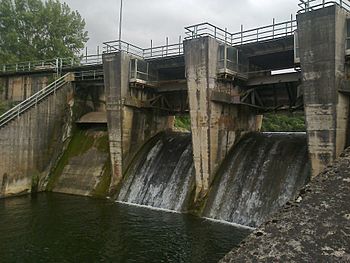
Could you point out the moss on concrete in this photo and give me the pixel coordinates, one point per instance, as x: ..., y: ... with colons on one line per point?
x: 79, y: 144
x: 35, y: 182
x: 102, y: 188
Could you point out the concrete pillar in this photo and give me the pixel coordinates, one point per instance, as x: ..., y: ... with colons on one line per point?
x: 129, y: 126
x: 116, y: 79
x: 215, y: 126
x: 322, y: 55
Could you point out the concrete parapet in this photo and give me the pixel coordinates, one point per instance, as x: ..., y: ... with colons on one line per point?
x: 322, y: 56
x: 215, y: 126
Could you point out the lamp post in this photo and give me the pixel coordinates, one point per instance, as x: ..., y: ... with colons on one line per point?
x: 120, y: 23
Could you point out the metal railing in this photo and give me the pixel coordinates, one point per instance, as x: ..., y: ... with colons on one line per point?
x: 51, y: 64
x: 270, y: 32
x: 82, y: 61
x: 89, y: 75
x: 310, y: 5
x: 144, y: 53
x: 141, y: 70
x: 231, y: 60
x: 163, y: 51
x: 33, y: 100
x: 120, y: 45
x: 55, y: 65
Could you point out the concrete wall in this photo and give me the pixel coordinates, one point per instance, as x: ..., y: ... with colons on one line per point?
x: 128, y: 127
x: 31, y: 144
x: 18, y: 88
x: 322, y: 55
x: 215, y: 126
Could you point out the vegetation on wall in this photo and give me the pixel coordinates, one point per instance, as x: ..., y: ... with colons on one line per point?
x: 81, y: 142
x: 284, y: 122
x: 37, y: 30
x: 6, y: 105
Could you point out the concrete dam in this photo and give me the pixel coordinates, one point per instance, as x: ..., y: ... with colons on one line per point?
x: 104, y: 126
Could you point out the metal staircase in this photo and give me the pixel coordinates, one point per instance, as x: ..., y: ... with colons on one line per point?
x: 33, y: 100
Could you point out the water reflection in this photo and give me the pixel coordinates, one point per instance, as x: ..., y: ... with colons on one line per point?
x: 62, y: 228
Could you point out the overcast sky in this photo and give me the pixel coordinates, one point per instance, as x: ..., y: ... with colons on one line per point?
x: 144, y: 20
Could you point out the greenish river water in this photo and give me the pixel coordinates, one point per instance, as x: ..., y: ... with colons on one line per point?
x: 63, y: 228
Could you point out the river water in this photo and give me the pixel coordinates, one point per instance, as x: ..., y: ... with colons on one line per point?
x: 63, y: 228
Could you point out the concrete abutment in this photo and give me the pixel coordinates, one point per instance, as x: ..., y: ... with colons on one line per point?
x: 31, y: 143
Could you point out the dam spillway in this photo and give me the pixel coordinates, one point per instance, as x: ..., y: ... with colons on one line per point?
x: 162, y: 175
x: 260, y: 174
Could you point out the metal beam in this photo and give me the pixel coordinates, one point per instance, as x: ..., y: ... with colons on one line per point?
x: 274, y: 79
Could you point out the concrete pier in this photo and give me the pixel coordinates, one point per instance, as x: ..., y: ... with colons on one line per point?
x: 130, y: 122
x: 215, y: 124
x: 323, y: 67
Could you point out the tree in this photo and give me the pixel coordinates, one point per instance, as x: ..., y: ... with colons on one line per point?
x: 36, y: 30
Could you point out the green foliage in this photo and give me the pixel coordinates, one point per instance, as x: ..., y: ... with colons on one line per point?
x: 292, y: 122
x: 183, y: 122
x: 36, y: 30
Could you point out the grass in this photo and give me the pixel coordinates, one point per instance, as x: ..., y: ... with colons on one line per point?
x: 281, y: 122
x: 183, y: 122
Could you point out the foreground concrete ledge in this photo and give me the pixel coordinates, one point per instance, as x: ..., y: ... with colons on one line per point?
x: 315, y: 227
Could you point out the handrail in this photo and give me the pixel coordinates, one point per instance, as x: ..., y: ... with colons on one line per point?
x: 269, y: 32
x: 82, y: 61
x: 310, y: 5
x: 120, y: 45
x: 144, y: 53
x: 89, y: 75
x: 33, y: 100
x: 55, y: 65
x: 29, y: 66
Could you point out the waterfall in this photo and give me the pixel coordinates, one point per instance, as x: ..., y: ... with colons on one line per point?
x: 162, y: 174
x: 261, y: 173
x: 258, y: 176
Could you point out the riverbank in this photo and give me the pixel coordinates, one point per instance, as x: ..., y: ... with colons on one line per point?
x: 315, y: 227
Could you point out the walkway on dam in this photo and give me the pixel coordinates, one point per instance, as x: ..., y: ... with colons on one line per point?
x: 315, y: 227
